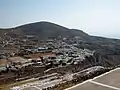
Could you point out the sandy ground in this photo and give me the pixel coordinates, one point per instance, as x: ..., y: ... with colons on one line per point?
x: 37, y: 55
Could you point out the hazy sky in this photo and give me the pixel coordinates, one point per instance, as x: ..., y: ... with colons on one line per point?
x: 96, y: 17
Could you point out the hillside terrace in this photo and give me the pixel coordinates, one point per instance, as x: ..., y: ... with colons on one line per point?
x: 53, y: 56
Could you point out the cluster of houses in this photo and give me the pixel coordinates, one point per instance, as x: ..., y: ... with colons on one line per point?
x: 32, y: 56
x: 60, y: 56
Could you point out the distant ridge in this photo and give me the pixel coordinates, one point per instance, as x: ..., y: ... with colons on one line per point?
x: 106, y: 50
x: 45, y: 30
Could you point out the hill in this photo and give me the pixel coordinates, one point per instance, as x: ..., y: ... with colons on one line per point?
x: 45, y: 30
x: 106, y: 49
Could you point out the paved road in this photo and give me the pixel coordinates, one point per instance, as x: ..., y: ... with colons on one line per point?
x: 106, y: 81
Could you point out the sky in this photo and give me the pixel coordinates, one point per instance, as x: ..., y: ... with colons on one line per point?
x: 96, y: 17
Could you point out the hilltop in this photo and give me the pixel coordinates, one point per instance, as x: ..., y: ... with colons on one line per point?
x: 45, y: 30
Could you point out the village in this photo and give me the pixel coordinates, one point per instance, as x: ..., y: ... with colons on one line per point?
x: 52, y: 60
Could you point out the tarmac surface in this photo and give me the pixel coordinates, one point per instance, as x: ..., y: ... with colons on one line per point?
x: 106, y: 81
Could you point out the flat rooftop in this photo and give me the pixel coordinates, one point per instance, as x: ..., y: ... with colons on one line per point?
x: 106, y: 81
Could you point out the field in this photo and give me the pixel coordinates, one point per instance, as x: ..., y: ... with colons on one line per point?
x: 8, y: 86
x: 37, y: 55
